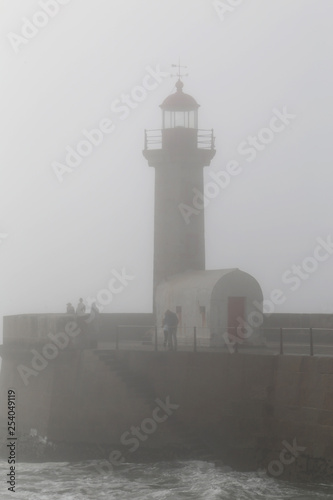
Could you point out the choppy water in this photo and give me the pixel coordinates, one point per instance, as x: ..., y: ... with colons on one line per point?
x: 159, y: 481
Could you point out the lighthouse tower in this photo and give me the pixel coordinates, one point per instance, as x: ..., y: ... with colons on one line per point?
x: 178, y: 152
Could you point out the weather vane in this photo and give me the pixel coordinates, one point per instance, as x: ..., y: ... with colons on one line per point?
x: 179, y: 66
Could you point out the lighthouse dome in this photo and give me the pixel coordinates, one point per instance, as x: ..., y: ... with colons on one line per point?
x: 179, y: 101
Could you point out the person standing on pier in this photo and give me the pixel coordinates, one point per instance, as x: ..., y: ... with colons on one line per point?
x: 70, y: 309
x: 171, y: 321
x: 81, y: 308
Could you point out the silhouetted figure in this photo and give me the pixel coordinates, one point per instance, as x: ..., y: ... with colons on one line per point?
x: 70, y: 309
x: 81, y: 308
x: 171, y: 320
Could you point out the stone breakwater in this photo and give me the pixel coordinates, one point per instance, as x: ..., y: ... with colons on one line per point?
x: 253, y: 412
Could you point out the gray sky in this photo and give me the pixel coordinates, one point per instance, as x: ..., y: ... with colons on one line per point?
x: 63, y: 240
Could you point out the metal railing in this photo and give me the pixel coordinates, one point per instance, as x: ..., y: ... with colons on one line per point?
x: 153, y: 139
x: 279, y: 340
x: 309, y: 340
x: 206, y: 139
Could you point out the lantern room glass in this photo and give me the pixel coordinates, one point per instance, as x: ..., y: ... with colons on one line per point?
x: 185, y: 119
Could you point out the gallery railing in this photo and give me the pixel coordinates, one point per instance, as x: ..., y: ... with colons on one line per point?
x: 153, y: 139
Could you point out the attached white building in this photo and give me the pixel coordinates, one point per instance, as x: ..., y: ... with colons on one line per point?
x: 219, y: 303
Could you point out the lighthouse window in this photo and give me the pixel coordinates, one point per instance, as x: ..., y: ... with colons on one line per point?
x: 180, y: 118
x: 186, y: 119
x: 191, y: 119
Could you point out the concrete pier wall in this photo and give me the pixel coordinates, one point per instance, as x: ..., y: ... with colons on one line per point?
x: 254, y: 411
x: 241, y: 408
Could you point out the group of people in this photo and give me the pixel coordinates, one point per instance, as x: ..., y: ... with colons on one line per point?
x: 169, y: 325
x: 81, y: 308
x: 87, y: 322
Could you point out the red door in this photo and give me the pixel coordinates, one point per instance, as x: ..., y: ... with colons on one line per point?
x: 236, y: 309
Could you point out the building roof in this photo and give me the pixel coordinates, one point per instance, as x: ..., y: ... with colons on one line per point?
x: 179, y: 101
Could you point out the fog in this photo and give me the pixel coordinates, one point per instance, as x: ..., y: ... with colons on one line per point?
x: 63, y: 236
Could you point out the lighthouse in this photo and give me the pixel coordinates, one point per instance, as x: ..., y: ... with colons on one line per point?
x: 223, y: 305
x: 178, y: 151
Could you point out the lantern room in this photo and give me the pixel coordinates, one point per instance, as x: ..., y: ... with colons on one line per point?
x: 179, y: 110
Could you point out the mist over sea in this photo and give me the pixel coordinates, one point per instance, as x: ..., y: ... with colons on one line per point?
x: 155, y: 481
